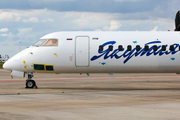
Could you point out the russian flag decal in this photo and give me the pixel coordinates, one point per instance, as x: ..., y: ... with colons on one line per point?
x: 69, y: 39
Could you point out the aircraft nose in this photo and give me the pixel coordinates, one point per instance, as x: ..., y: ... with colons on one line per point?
x: 7, y: 65
x: 12, y: 65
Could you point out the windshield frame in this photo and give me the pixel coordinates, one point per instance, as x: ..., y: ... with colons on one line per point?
x: 44, y: 42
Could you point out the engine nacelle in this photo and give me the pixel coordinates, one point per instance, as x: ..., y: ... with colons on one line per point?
x: 177, y: 21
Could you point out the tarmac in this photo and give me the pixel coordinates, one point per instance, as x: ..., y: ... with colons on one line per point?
x: 98, y: 97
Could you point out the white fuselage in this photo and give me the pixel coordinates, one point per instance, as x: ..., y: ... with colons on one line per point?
x: 78, y: 52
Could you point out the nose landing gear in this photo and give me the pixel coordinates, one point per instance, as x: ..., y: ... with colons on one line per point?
x: 30, y: 83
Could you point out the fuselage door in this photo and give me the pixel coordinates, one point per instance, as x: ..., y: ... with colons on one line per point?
x: 82, y: 51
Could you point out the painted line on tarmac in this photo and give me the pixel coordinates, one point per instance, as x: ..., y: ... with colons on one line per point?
x: 58, y: 79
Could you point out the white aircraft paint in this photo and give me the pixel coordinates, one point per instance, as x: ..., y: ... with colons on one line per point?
x: 79, y: 54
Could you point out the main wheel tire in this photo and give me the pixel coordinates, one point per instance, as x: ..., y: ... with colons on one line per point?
x: 30, y: 84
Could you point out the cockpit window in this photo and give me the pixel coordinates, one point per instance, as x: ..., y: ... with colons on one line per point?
x: 46, y: 42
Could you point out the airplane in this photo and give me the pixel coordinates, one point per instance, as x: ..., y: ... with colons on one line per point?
x: 100, y: 52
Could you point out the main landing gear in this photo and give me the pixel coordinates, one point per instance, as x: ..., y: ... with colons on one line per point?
x: 30, y: 83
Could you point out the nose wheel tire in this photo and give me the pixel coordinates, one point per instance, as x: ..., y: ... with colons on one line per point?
x: 31, y: 84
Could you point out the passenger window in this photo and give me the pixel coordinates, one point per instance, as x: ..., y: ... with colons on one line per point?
x: 129, y: 48
x: 100, y: 48
x: 171, y: 47
x: 120, y: 48
x: 138, y: 47
x: 155, y: 47
x: 110, y: 48
x: 146, y: 48
x: 179, y: 47
x: 163, y: 48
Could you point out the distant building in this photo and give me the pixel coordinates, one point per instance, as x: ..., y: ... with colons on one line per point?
x: 3, y: 59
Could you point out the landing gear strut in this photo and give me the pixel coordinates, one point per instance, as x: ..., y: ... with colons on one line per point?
x: 30, y: 83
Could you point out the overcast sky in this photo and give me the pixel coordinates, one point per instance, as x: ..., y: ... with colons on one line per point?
x: 22, y: 22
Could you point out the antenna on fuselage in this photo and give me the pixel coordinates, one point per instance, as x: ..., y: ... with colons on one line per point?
x: 20, y: 46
